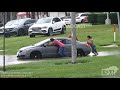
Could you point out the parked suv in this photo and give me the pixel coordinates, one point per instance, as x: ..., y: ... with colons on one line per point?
x: 17, y: 27
x: 47, y: 26
x: 82, y: 17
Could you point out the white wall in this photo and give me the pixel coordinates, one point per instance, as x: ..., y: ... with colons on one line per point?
x: 56, y: 14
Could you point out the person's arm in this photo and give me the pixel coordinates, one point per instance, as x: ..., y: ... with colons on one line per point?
x: 69, y: 36
x: 51, y: 43
x: 89, y: 42
x: 76, y: 38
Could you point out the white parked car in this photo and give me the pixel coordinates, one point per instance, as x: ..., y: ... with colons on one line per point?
x: 47, y: 26
x: 81, y: 17
x: 67, y: 20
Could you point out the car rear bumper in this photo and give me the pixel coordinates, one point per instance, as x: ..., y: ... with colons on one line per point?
x: 43, y: 32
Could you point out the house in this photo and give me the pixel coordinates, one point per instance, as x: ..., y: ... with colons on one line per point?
x: 56, y: 14
x: 41, y: 14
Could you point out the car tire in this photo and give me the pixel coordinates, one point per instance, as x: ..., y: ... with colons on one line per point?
x: 7, y: 35
x: 35, y: 55
x: 80, y: 53
x: 82, y: 21
x: 20, y: 32
x: 50, y: 32
x: 63, y: 30
x: 32, y: 36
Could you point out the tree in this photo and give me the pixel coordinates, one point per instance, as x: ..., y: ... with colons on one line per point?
x: 27, y: 15
x: 46, y: 13
x: 33, y: 15
x: 66, y: 14
x: 37, y: 15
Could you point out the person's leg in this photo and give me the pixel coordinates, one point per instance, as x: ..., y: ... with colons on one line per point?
x: 64, y: 50
x: 94, y: 50
x: 60, y: 52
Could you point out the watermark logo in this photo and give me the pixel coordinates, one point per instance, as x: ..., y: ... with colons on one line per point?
x: 15, y: 74
x: 79, y: 26
x: 111, y: 71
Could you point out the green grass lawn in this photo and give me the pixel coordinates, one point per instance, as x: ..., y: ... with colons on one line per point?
x: 86, y: 67
x: 102, y: 35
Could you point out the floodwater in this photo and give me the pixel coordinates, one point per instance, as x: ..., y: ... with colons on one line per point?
x: 12, y: 59
x: 113, y: 45
x: 106, y: 53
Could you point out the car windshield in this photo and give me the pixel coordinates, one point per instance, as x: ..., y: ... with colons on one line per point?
x: 67, y: 17
x: 42, y: 42
x: 10, y: 23
x: 77, y: 15
x: 81, y: 14
x: 20, y: 22
x: 44, y: 20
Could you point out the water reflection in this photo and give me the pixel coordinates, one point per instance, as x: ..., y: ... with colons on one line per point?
x: 12, y: 59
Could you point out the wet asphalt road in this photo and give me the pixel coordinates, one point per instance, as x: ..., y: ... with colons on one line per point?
x: 12, y: 59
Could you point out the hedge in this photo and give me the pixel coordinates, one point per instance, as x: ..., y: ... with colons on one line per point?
x: 100, y: 18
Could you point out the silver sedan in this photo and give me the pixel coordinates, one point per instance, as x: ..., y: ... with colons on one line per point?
x: 43, y: 50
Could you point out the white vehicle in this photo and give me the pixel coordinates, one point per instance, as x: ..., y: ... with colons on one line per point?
x: 47, y: 26
x: 67, y: 20
x: 81, y: 17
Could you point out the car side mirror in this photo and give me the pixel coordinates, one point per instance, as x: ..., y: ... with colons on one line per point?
x: 45, y: 45
x: 26, y: 23
x: 53, y: 22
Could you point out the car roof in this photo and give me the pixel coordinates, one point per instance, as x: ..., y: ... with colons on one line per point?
x: 66, y: 38
x: 61, y: 38
x: 25, y: 19
x: 50, y: 17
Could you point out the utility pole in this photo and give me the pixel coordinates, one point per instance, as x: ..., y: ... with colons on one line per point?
x: 4, y: 14
x: 118, y: 22
x: 73, y: 32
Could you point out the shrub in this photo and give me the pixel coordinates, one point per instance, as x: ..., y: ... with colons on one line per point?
x: 100, y: 18
x: 113, y: 17
x: 92, y: 18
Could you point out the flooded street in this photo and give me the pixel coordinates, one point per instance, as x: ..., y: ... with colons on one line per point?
x: 106, y: 53
x: 12, y: 59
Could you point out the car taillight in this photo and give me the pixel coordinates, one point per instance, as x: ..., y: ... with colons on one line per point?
x: 86, y: 45
x: 77, y: 17
x: 86, y: 19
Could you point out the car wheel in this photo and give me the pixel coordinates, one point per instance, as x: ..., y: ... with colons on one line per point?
x: 63, y: 30
x: 50, y: 32
x: 35, y: 55
x: 83, y: 21
x: 32, y: 36
x: 80, y: 53
x: 20, y: 32
x: 7, y: 35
